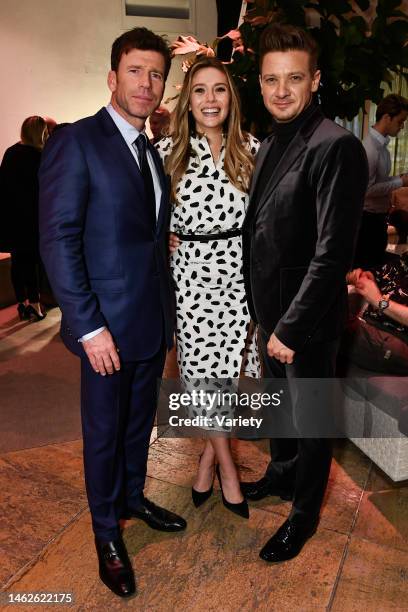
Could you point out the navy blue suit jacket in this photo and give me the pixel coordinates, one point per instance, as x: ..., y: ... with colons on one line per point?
x: 106, y: 258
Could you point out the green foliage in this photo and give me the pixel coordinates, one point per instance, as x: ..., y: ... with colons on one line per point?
x: 355, y: 58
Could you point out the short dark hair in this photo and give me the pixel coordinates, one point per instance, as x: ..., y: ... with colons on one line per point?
x: 286, y: 37
x: 391, y: 105
x: 143, y: 39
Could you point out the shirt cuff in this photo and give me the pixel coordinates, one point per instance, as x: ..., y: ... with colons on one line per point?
x: 92, y: 334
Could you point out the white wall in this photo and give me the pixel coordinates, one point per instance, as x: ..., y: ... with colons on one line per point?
x: 54, y: 57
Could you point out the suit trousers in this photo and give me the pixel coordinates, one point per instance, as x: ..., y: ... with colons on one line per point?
x: 118, y: 412
x: 301, y: 462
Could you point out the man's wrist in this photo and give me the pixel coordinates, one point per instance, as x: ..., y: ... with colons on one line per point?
x: 383, y: 303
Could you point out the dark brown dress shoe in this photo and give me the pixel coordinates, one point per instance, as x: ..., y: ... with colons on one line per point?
x: 157, y: 517
x: 115, y: 569
x: 264, y: 487
x: 288, y: 541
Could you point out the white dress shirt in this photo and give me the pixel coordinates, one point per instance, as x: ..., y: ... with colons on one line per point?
x: 380, y: 184
x: 130, y: 133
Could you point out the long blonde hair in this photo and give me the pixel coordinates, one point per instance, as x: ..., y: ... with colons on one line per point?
x: 34, y: 132
x: 238, y: 162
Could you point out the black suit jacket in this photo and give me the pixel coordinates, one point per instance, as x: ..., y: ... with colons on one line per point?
x: 299, y: 235
x: 19, y: 198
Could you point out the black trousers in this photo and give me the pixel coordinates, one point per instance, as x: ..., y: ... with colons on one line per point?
x: 25, y: 275
x: 372, y: 241
x: 118, y: 413
x: 301, y: 464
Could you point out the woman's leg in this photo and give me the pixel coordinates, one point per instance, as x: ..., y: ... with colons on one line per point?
x: 32, y: 281
x: 205, y: 472
x: 229, y: 475
x: 218, y: 449
x: 17, y: 276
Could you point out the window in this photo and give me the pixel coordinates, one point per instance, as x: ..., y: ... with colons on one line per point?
x: 160, y: 15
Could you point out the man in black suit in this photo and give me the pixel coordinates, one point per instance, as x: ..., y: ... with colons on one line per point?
x: 299, y: 236
x: 104, y: 209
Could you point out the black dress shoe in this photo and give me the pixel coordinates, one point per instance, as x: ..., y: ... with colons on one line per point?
x: 115, y: 569
x: 287, y: 542
x: 158, y: 518
x: 264, y: 487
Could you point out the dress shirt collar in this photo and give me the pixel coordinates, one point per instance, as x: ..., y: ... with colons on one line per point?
x: 127, y: 130
x: 383, y: 140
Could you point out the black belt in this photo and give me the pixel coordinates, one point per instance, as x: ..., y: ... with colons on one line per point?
x: 209, y: 237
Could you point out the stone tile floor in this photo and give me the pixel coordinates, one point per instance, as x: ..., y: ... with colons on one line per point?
x: 357, y: 560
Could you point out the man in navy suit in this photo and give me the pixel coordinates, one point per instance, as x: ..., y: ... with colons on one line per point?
x: 104, y: 209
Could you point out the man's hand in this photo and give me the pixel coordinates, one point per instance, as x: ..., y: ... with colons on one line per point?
x: 278, y: 350
x: 404, y: 180
x: 174, y: 242
x: 102, y: 353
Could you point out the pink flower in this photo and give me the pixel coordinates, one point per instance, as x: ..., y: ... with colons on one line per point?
x: 186, y: 65
x: 185, y: 44
x: 204, y: 50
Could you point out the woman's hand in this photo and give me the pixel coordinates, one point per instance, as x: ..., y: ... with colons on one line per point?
x: 355, y: 275
x: 174, y: 242
x: 369, y: 290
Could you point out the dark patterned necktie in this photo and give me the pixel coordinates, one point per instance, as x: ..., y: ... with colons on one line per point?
x: 140, y: 145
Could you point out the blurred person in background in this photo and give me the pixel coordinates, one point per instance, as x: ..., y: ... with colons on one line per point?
x: 159, y: 123
x: 51, y: 124
x: 390, y: 117
x: 19, y: 192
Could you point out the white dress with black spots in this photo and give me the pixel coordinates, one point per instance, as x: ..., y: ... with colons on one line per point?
x: 214, y: 339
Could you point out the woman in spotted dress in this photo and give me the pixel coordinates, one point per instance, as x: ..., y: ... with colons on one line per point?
x: 210, y: 162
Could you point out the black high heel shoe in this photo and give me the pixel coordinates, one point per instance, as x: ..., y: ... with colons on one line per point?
x: 22, y: 312
x: 241, y: 508
x: 33, y: 314
x: 199, y: 497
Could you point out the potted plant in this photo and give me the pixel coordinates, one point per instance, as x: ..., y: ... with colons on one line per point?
x: 362, y: 45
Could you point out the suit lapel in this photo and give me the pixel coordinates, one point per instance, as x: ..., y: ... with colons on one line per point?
x: 292, y: 153
x: 263, y: 152
x: 260, y: 160
x: 120, y: 148
x: 128, y: 162
x: 295, y: 149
